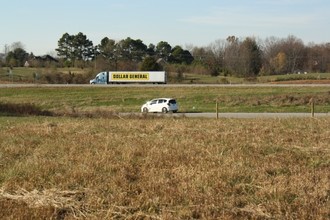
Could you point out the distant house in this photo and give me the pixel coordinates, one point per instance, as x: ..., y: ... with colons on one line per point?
x: 46, y: 58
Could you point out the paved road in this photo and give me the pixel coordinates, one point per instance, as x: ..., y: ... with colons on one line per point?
x: 254, y: 115
x: 234, y: 115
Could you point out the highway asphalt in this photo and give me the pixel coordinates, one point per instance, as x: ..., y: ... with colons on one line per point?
x: 232, y: 115
x: 253, y: 115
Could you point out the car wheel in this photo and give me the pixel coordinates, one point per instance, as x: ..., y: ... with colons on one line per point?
x: 164, y: 110
x: 145, y: 110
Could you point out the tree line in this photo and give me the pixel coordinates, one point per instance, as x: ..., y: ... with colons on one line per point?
x: 272, y: 56
x: 128, y: 54
x: 247, y: 57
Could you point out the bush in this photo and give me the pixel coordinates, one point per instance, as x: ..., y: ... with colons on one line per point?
x: 63, y: 78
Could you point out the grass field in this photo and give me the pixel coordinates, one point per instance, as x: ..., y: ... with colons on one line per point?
x: 65, y: 155
x: 27, y: 75
x: 148, y: 168
x: 190, y: 99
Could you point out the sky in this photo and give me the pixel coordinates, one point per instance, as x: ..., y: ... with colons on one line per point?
x: 39, y: 24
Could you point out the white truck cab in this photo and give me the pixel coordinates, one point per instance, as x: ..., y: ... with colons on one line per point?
x: 100, y: 78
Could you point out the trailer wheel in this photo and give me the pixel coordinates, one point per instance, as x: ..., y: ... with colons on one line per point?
x: 164, y: 110
x: 145, y: 110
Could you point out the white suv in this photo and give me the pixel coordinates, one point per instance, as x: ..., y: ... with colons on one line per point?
x: 160, y: 105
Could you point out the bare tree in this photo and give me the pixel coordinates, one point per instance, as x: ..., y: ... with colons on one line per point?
x: 294, y: 49
x: 217, y: 49
x: 318, y: 58
x: 271, y: 49
x: 231, y: 55
x: 283, y: 56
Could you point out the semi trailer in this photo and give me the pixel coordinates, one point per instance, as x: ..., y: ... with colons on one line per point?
x: 105, y: 77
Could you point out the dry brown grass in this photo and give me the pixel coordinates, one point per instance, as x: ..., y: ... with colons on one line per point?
x: 164, y: 168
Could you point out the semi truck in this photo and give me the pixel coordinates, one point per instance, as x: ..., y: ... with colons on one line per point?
x: 105, y: 77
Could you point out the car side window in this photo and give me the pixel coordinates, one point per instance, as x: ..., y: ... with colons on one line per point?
x: 153, y: 102
x: 161, y: 101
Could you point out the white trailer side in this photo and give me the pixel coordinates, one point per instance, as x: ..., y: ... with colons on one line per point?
x: 137, y: 77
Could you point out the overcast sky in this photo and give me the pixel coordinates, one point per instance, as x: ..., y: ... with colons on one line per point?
x: 39, y: 24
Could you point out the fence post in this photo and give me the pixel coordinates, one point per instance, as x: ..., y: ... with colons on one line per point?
x: 217, y: 109
x: 312, y: 107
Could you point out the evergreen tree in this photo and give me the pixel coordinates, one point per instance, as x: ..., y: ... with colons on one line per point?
x: 150, y: 64
x: 180, y: 56
x: 17, y: 57
x: 75, y: 47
